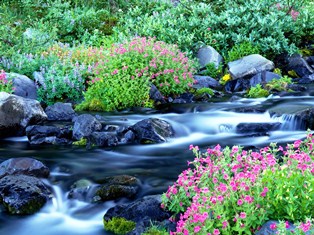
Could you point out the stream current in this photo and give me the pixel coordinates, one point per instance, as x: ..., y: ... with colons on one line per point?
x: 157, y: 166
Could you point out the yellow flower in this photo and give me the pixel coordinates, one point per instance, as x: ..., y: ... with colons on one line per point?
x: 226, y: 77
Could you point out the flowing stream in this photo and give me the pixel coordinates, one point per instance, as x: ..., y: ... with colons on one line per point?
x: 157, y: 166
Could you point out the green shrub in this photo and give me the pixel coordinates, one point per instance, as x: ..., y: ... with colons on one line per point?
x: 257, y: 92
x: 62, y: 81
x: 241, y: 50
x: 212, y: 71
x: 279, y: 84
x: 155, y: 230
x: 124, y: 79
x: 119, y: 225
x: 223, y: 24
x: 204, y: 90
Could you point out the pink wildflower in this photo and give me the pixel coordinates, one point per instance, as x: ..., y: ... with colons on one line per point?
x: 273, y: 226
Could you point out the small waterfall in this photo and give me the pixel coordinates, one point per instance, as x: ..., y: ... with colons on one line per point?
x: 289, y: 122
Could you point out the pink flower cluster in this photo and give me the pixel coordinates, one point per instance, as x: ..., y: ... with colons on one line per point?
x: 223, y: 190
x: 3, y: 78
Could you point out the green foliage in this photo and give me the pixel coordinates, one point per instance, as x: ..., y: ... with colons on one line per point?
x: 279, y: 84
x: 5, y: 82
x: 233, y: 191
x: 240, y: 50
x: 81, y: 142
x: 223, y: 24
x: 155, y: 230
x: 257, y: 92
x: 63, y: 80
x: 212, y: 71
x: 124, y: 79
x: 119, y: 225
x: 204, y: 90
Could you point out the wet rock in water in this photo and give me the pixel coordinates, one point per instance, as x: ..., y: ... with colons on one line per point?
x: 240, y: 84
x: 143, y: 212
x: 60, y: 112
x: 103, y: 139
x: 207, y: 55
x: 16, y: 113
x: 185, y: 98
x: 49, y: 135
x: 306, y: 79
x: 84, y: 190
x: 299, y: 65
x: 25, y: 166
x: 248, y: 66
x: 85, y: 125
x: 263, y: 78
x: 260, y: 128
x: 156, y: 95
x: 23, y: 86
x: 206, y: 81
x: 22, y: 194
x: 152, y: 130
x: 118, y: 186
x: 128, y: 137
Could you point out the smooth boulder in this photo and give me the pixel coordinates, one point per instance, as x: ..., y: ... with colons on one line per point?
x: 248, y: 66
x: 152, y: 130
x: 23, y: 86
x: 84, y: 126
x: 117, y: 187
x: 25, y: 166
x: 22, y: 194
x: 207, y: 55
x: 60, y: 112
x: 16, y: 113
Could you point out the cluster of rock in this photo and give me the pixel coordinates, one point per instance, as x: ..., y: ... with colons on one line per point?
x: 21, y: 116
x: 23, y: 192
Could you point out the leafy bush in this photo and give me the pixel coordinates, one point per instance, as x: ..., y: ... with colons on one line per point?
x: 212, y: 71
x: 223, y: 24
x: 61, y: 81
x: 279, y: 84
x: 257, y: 92
x: 124, y: 79
x: 241, y: 50
x: 5, y: 83
x: 233, y: 191
x: 119, y: 225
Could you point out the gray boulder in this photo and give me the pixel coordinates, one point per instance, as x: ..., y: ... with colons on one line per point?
x: 249, y: 65
x: 85, y: 125
x: 103, y: 139
x: 206, y: 81
x: 118, y: 186
x: 16, y: 113
x: 60, y: 112
x: 260, y: 128
x: 22, y: 194
x: 142, y: 211
x: 37, y: 134
x: 84, y: 190
x: 25, y: 166
x: 152, y: 130
x: 208, y: 55
x: 299, y: 65
x: 263, y: 78
x: 24, y: 86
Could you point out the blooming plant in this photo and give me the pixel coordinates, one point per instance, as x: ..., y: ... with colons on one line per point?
x: 124, y: 78
x: 233, y: 191
x: 5, y: 83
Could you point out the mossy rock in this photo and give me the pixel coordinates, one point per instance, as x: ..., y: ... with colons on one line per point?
x: 119, y: 225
